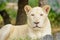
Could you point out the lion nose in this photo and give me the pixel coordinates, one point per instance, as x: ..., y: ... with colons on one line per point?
x: 36, y: 22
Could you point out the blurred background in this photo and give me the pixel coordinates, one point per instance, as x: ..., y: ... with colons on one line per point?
x: 12, y: 12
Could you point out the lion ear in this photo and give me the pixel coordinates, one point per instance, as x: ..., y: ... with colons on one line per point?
x: 27, y: 8
x: 46, y: 8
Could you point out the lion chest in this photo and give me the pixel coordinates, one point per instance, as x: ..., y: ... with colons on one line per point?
x: 37, y: 35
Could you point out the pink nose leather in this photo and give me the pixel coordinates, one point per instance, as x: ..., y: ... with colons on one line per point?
x: 36, y: 22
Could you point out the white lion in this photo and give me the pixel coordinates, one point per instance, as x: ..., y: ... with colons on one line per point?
x: 38, y: 25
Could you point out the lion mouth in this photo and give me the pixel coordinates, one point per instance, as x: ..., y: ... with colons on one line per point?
x: 36, y: 26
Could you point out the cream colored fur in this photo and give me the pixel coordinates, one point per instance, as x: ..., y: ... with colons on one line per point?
x: 36, y: 14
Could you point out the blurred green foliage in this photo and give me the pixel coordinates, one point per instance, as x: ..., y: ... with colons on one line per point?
x: 27, y: 38
x: 12, y: 13
x: 33, y: 3
x: 54, y: 18
x: 52, y: 15
x: 2, y: 4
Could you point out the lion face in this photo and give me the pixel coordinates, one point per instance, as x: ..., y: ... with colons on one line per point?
x: 36, y: 16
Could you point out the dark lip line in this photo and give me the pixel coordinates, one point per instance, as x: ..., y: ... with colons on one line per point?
x: 36, y: 27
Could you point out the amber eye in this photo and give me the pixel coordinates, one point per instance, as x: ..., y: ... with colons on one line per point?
x: 41, y: 14
x: 32, y: 14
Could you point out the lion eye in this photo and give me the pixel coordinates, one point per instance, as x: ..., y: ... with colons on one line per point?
x: 41, y: 14
x: 32, y: 14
